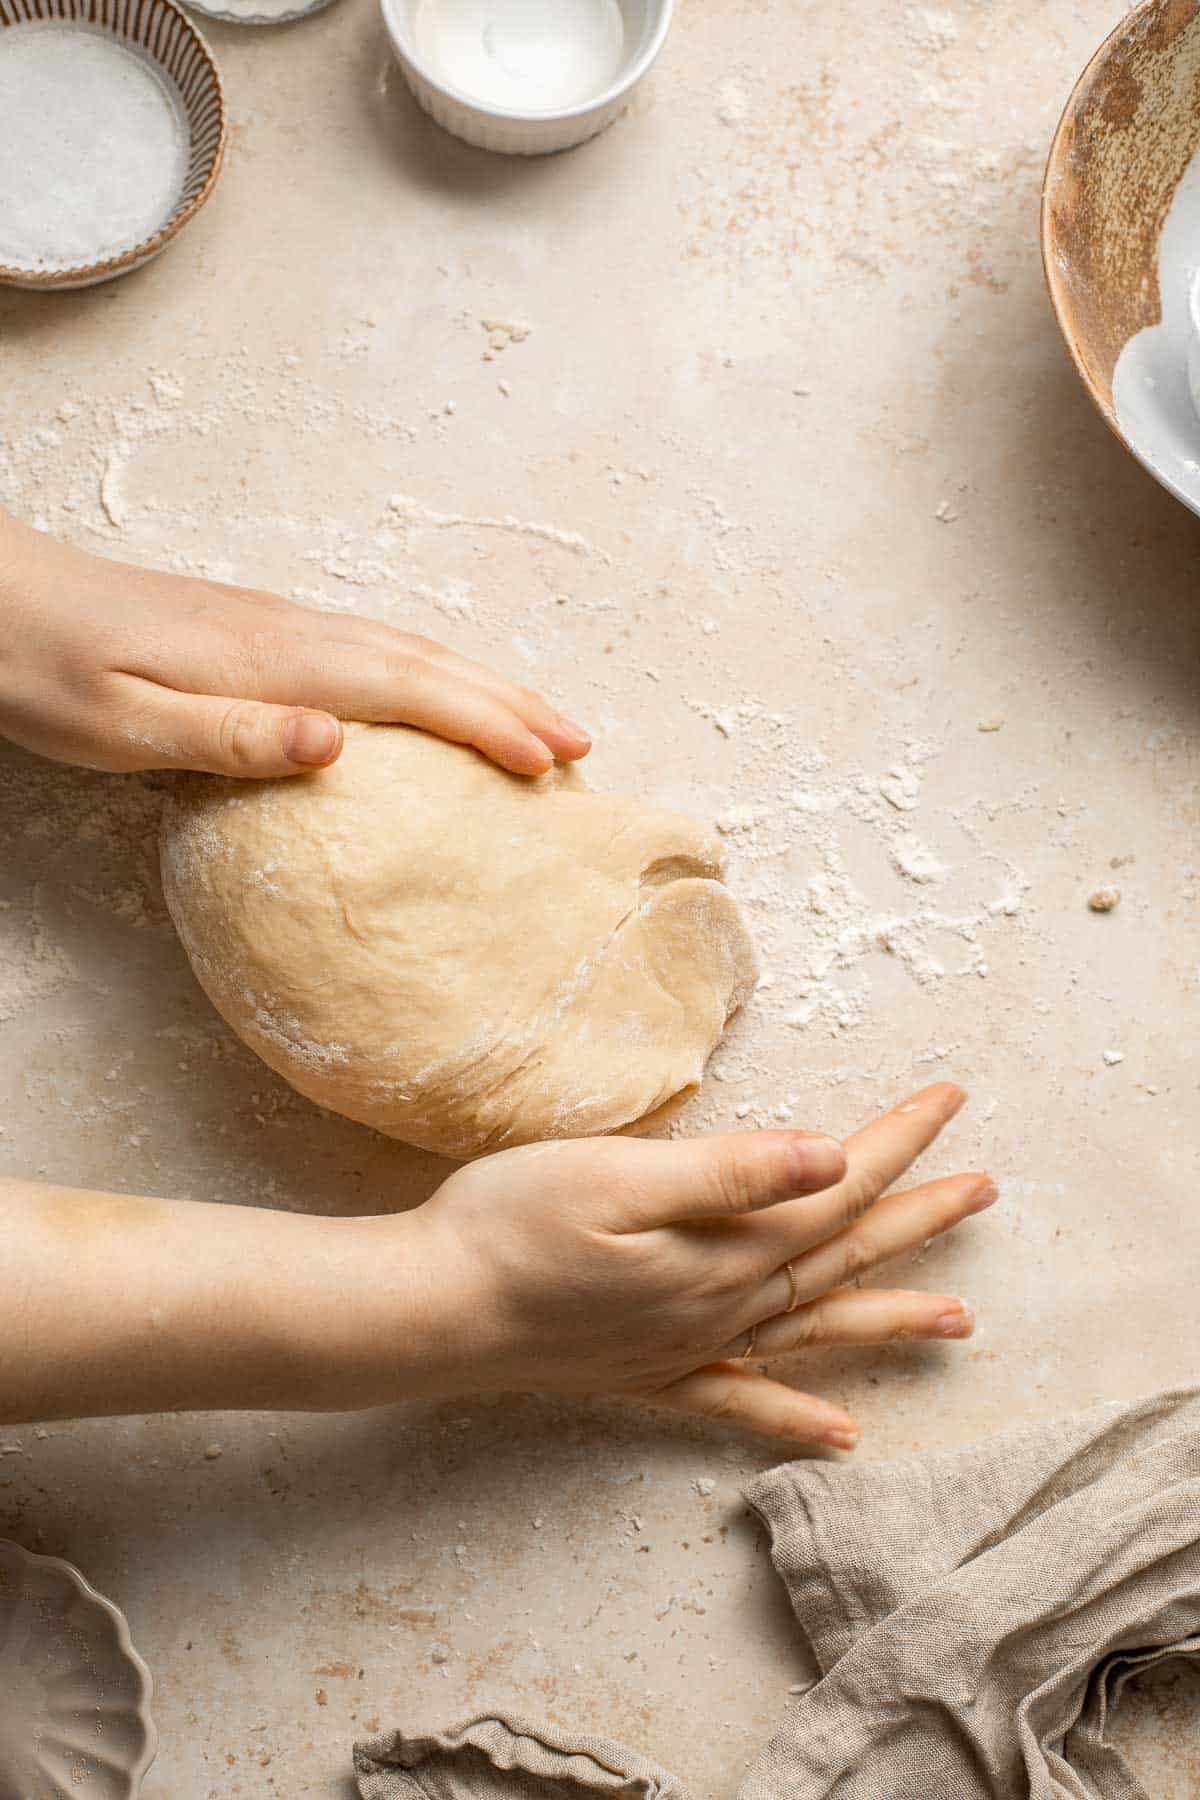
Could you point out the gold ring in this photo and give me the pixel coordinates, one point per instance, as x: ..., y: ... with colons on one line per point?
x: 749, y: 1350
x: 793, y: 1287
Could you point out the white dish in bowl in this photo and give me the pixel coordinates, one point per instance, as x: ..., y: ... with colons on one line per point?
x: 525, y: 77
x: 257, y: 12
x: 74, y: 1693
x: 1193, y: 341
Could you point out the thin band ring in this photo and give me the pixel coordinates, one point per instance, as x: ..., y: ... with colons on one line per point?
x: 749, y: 1350
x: 793, y: 1288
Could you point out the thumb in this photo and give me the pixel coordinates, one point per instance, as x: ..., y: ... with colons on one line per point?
x: 246, y: 738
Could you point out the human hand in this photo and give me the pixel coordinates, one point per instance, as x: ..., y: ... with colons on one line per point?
x: 602, y: 1266
x: 648, y: 1268
x: 120, y: 668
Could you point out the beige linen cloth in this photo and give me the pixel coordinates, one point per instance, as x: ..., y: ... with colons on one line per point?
x: 974, y: 1615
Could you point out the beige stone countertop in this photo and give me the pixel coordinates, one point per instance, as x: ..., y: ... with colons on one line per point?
x: 784, y: 485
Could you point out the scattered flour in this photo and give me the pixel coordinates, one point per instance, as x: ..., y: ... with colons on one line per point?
x: 110, y: 486
x: 917, y: 861
x: 901, y: 788
x: 797, y: 853
x: 114, y: 821
x: 32, y: 966
x: 733, y: 103
x: 932, y: 29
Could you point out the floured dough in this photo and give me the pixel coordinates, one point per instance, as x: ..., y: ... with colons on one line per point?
x: 462, y: 958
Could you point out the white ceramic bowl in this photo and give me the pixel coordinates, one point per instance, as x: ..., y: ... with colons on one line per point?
x: 1193, y: 342
x: 525, y: 77
x: 74, y: 1693
x: 257, y: 12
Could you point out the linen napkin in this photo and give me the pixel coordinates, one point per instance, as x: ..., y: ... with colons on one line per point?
x: 974, y: 1615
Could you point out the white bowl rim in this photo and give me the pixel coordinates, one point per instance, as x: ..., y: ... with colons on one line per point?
x: 1194, y: 306
x: 628, y: 77
x: 33, y: 1559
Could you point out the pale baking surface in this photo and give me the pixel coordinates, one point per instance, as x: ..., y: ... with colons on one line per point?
x: 792, y: 490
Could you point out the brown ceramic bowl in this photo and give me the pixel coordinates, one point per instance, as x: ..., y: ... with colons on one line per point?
x: 1126, y: 137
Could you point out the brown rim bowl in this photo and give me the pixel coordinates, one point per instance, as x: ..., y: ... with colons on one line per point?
x: 164, y: 34
x: 1126, y: 136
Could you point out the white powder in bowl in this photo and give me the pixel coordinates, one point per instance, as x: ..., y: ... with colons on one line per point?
x: 528, y: 55
x: 93, y: 146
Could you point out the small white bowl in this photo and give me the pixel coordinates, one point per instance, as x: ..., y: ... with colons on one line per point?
x: 525, y: 77
x: 257, y: 12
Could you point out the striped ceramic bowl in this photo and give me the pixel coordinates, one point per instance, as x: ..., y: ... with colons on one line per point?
x: 157, y: 32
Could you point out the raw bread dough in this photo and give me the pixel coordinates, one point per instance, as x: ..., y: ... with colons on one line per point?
x: 462, y: 958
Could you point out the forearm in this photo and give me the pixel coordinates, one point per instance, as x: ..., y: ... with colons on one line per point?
x: 116, y: 1304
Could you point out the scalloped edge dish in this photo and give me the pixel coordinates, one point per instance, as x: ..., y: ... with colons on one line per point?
x: 288, y: 15
x: 51, y: 1613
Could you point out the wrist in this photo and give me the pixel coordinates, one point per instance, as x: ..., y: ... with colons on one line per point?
x: 371, y: 1318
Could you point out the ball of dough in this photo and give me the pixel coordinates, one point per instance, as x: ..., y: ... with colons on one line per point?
x: 462, y: 958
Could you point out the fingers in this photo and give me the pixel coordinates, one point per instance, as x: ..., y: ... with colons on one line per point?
x: 894, y: 1226
x: 875, y: 1158
x: 374, y: 673
x: 414, y: 692
x: 258, y: 647
x: 567, y: 740
x: 880, y: 1153
x: 718, y: 1177
x: 246, y: 738
x: 848, y: 1317
x: 736, y: 1394
x: 375, y: 641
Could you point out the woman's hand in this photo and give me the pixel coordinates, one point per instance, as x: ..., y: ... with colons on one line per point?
x: 618, y: 1265
x: 603, y: 1266
x: 120, y: 668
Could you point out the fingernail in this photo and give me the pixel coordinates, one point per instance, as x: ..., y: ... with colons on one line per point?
x: 818, y: 1160
x: 984, y: 1196
x: 573, y: 730
x: 946, y: 1095
x: 842, y: 1439
x: 310, y: 739
x: 957, y: 1324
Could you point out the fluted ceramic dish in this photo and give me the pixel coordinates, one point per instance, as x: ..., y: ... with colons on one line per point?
x: 104, y: 71
x: 257, y: 12
x: 525, y: 77
x: 74, y: 1693
x: 1121, y: 235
